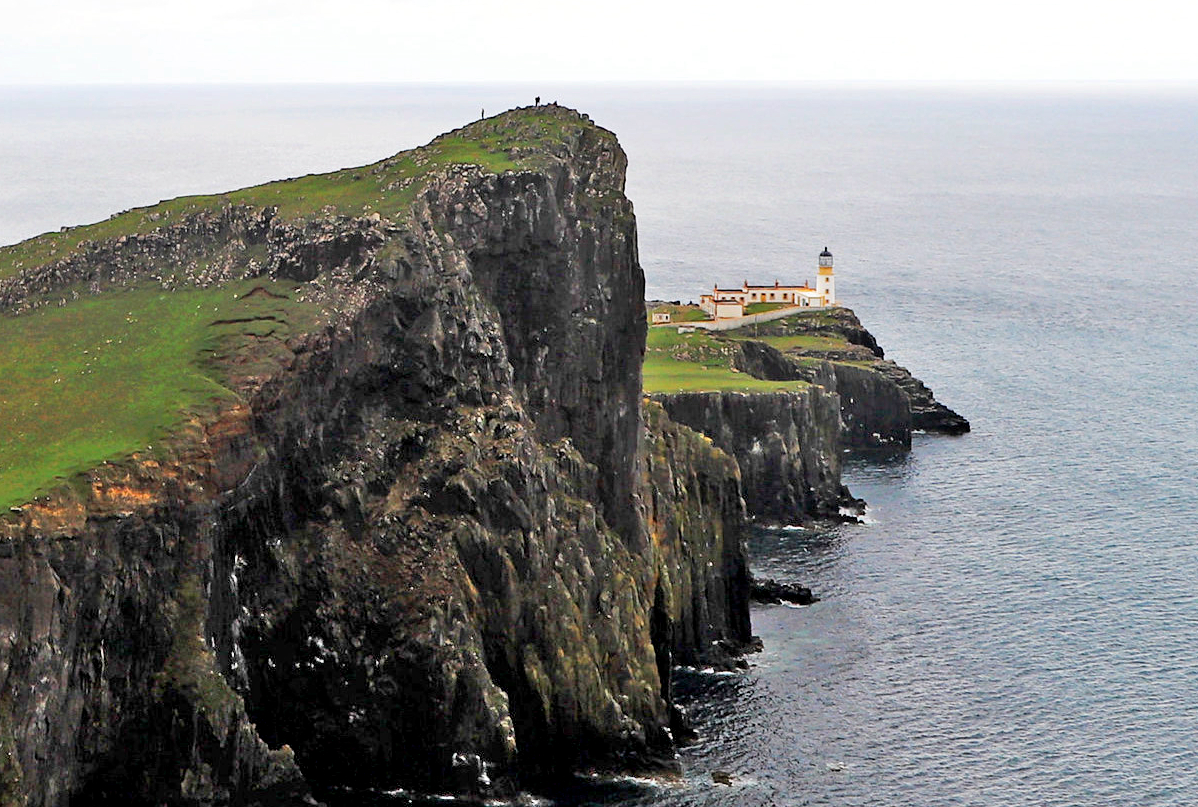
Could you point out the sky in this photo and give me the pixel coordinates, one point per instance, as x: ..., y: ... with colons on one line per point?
x: 265, y: 41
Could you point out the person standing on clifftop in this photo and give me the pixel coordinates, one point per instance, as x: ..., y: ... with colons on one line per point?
x: 537, y: 101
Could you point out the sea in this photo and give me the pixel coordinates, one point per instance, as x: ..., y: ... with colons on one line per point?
x: 1015, y: 620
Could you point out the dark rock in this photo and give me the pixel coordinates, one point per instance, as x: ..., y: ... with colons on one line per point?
x: 725, y: 656
x: 437, y: 546
x: 875, y: 411
x: 787, y: 445
x: 681, y: 726
x: 771, y: 592
x: 927, y: 413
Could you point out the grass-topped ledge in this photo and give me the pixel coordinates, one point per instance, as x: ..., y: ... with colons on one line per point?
x: 114, y: 374
x: 699, y: 362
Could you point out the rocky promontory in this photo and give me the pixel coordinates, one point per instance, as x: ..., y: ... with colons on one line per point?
x: 882, y: 402
x: 350, y: 482
x: 787, y: 398
x: 413, y: 528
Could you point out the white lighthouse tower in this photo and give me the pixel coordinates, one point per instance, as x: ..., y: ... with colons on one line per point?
x: 825, y: 282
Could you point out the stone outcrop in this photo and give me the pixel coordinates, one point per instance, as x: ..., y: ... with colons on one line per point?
x: 787, y: 445
x: 436, y: 546
x: 771, y: 592
x: 881, y: 401
x: 875, y: 411
x: 927, y: 413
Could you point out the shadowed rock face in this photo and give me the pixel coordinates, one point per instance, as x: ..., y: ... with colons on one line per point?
x: 436, y: 547
x: 787, y: 445
x: 875, y: 411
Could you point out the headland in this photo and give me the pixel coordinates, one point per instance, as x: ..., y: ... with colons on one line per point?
x: 350, y: 480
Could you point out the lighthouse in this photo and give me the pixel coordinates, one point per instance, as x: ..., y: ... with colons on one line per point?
x: 825, y: 282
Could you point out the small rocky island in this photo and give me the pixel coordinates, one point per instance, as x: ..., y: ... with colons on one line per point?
x: 350, y: 480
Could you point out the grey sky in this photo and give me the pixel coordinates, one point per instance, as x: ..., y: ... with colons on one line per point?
x: 80, y: 41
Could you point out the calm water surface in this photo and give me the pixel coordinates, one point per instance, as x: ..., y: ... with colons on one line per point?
x: 1017, y: 623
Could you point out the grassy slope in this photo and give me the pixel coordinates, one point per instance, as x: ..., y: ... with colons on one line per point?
x: 109, y: 375
x: 387, y: 187
x: 113, y: 374
x: 800, y: 341
x: 697, y: 362
x: 761, y: 308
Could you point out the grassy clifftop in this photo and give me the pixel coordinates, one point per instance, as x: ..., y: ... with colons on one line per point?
x: 94, y: 376
x: 708, y: 361
x: 699, y: 362
x: 110, y: 375
x: 518, y: 139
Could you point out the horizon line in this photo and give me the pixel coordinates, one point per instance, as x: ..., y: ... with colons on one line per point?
x: 998, y: 83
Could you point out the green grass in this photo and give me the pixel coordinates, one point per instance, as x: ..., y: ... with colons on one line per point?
x: 808, y: 317
x: 666, y: 375
x: 110, y: 375
x: 761, y: 308
x: 698, y: 362
x: 680, y: 313
x: 794, y: 342
x: 387, y: 187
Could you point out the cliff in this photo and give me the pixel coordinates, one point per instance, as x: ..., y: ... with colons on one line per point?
x: 882, y: 402
x: 404, y: 525
x: 786, y: 398
x: 786, y: 444
x: 875, y: 409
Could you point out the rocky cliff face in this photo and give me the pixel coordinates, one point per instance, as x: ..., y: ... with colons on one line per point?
x: 696, y: 518
x: 787, y: 445
x: 881, y: 401
x: 433, y: 546
x: 875, y: 411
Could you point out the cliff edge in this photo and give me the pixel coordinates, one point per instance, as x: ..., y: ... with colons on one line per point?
x: 363, y: 494
x: 786, y: 399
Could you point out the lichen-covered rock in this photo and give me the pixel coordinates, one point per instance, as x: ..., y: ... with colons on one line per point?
x: 12, y: 793
x: 696, y: 518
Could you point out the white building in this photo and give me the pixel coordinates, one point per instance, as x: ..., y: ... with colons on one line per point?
x: 825, y: 281
x: 726, y: 303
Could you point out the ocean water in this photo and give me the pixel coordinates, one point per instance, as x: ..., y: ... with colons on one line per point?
x: 1016, y: 623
